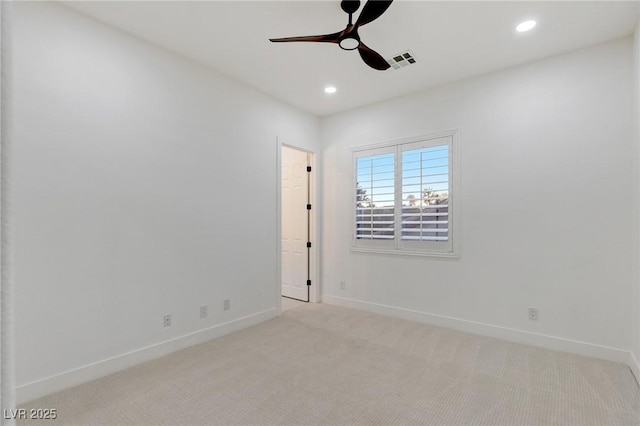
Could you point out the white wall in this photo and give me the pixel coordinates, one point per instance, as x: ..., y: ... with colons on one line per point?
x: 7, y: 382
x: 142, y: 184
x: 545, y: 200
x: 635, y: 359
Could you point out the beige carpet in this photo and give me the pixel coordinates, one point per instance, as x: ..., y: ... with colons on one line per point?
x: 326, y: 365
x: 287, y: 303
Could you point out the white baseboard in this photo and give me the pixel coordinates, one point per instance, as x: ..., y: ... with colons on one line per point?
x: 510, y: 334
x: 634, y: 365
x: 67, y: 379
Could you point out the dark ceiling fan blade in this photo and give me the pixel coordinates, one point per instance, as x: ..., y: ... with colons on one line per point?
x: 326, y: 38
x: 372, y: 58
x: 372, y: 11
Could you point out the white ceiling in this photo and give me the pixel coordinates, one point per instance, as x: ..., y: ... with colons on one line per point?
x: 451, y: 40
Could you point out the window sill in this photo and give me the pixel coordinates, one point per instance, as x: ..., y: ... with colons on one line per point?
x: 397, y: 252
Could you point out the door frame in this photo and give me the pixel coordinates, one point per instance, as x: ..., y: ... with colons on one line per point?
x: 314, y: 291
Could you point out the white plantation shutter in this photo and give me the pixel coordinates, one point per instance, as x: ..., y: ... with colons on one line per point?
x: 402, y: 196
x: 375, y: 196
x: 425, y: 193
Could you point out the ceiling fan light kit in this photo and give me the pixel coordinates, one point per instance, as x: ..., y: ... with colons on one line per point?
x: 349, y: 39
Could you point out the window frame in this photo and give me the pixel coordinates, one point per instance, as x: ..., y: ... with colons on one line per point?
x: 397, y: 245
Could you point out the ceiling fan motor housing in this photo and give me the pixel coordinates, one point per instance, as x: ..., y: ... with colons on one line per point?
x: 349, y: 43
x: 350, y: 40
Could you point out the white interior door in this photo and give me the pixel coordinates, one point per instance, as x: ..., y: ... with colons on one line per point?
x: 295, y: 217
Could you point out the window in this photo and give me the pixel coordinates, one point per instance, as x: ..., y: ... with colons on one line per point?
x: 403, y: 196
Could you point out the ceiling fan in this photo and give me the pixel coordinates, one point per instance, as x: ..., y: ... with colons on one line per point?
x: 348, y: 39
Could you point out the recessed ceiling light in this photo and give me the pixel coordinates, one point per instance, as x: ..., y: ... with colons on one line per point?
x: 525, y: 26
x: 330, y: 89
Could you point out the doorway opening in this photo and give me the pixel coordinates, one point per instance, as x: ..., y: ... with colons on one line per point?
x: 296, y: 223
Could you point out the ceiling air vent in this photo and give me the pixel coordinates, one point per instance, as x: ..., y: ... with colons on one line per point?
x: 402, y: 60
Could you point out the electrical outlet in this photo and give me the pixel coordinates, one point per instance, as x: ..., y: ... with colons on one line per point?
x: 204, y: 311
x: 533, y: 314
x: 343, y: 285
x: 227, y: 304
x: 166, y: 320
